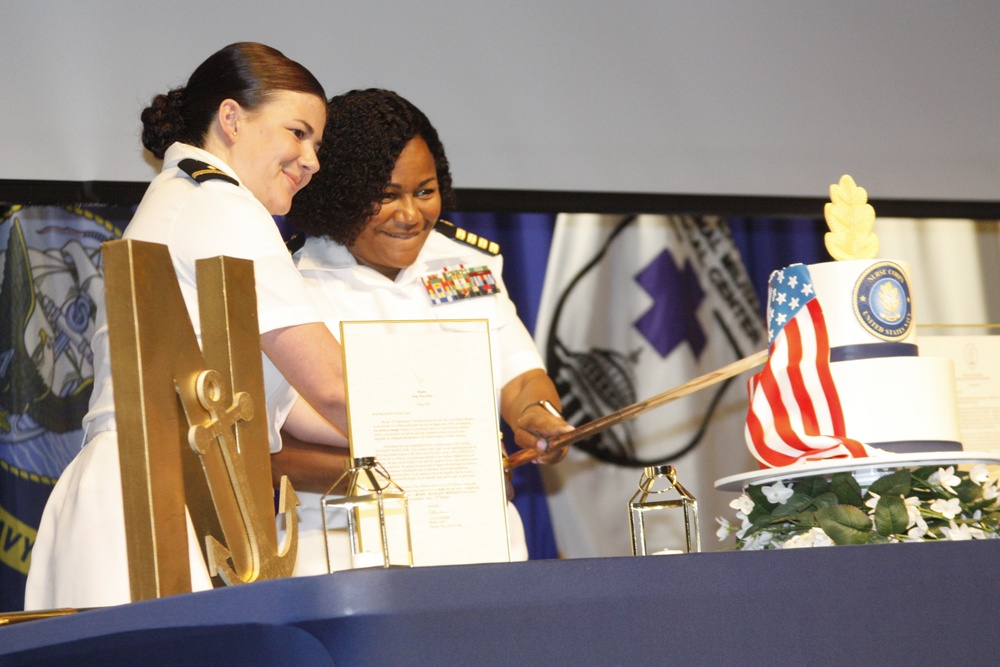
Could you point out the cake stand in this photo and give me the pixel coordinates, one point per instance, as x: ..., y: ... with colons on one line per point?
x: 866, y: 470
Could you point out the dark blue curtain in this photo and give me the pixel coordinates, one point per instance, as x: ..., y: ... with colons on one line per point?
x: 768, y: 244
x: 524, y: 240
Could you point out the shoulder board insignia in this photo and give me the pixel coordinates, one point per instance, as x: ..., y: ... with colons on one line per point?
x: 203, y: 171
x: 468, y: 238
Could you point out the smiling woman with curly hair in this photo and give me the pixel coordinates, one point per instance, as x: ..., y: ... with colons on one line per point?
x: 366, y: 131
x: 376, y: 243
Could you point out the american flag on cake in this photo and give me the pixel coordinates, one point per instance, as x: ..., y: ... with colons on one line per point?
x: 795, y: 412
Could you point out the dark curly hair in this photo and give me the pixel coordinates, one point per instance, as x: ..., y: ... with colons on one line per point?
x: 366, y: 130
x: 247, y: 72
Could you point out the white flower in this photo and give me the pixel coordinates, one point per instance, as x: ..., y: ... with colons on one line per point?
x: 991, y: 492
x: 913, y: 512
x: 917, y: 532
x: 814, y: 537
x: 757, y: 541
x: 944, y: 477
x: 949, y: 508
x: 744, y: 525
x: 743, y: 504
x: 725, y: 528
x: 979, y: 474
x: 963, y: 532
x: 777, y: 493
x: 821, y: 539
x: 954, y: 532
x: 872, y: 502
x: 799, y: 541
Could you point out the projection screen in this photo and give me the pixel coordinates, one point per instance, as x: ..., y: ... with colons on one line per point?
x: 775, y: 98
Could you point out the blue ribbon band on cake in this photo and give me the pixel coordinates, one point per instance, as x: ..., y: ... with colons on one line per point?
x: 918, y: 446
x: 873, y: 351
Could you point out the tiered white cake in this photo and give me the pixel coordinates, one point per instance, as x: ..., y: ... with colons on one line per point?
x: 891, y: 398
x: 902, y: 407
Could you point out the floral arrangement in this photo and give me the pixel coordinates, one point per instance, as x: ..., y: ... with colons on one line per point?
x: 916, y: 505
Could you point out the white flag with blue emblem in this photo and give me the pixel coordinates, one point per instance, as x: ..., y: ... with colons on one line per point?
x: 634, y: 306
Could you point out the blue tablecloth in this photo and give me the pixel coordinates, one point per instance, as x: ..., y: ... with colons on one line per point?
x: 886, y: 604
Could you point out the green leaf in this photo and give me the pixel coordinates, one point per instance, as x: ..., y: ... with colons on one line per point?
x: 758, y: 514
x: 897, y: 483
x: 890, y: 516
x: 979, y: 504
x: 923, y: 472
x: 828, y: 499
x: 968, y: 491
x: 812, y: 486
x: 845, y: 524
x: 795, y: 504
x: 847, y: 489
x: 759, y: 524
x: 807, y: 519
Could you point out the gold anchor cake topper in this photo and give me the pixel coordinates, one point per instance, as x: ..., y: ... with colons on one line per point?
x: 850, y: 218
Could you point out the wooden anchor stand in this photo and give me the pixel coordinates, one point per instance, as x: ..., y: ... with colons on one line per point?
x: 632, y: 411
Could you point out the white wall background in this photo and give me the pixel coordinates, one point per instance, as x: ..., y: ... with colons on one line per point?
x: 753, y: 97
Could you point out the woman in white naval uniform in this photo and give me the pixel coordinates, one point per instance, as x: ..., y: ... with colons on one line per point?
x: 374, y: 235
x: 238, y: 142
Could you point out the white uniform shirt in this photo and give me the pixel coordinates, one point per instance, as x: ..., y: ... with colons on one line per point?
x: 198, y: 220
x: 344, y: 290
x: 80, y: 557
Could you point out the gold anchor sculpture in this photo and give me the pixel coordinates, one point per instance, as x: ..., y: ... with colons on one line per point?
x: 186, y: 439
x: 249, y: 562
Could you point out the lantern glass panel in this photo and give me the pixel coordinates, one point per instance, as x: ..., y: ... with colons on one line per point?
x: 372, y: 514
x: 663, y: 516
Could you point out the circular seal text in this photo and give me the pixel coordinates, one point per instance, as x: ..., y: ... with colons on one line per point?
x: 882, y: 301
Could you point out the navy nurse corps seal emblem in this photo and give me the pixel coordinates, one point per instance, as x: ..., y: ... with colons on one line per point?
x: 882, y: 301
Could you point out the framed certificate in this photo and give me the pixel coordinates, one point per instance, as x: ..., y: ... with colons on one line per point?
x: 420, y: 399
x: 977, y: 378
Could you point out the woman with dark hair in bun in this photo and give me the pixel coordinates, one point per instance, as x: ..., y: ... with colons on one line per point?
x: 375, y: 240
x: 238, y: 141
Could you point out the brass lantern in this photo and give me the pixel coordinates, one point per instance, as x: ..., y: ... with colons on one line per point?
x: 659, y: 490
x: 377, y: 517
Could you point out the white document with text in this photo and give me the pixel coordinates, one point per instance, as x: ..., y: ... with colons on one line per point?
x: 421, y: 401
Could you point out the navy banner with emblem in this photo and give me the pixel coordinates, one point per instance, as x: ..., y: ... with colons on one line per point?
x: 51, y: 283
